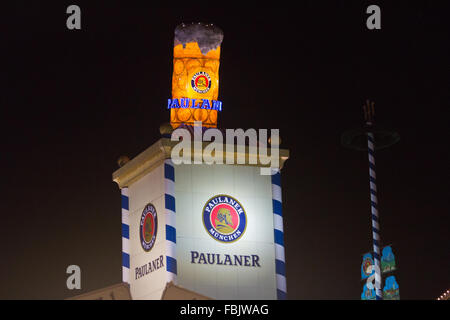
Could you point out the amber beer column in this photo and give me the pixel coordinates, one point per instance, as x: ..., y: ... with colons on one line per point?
x: 195, y: 79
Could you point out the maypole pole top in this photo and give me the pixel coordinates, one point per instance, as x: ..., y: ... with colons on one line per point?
x: 357, y: 138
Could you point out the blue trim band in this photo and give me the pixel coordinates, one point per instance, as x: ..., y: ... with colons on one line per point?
x: 170, y: 202
x: 281, y: 295
x: 171, y: 233
x: 125, y: 259
x: 280, y: 267
x: 171, y: 264
x: 169, y: 172
x: 278, y: 237
x: 125, y: 231
x: 125, y: 202
x: 276, y: 179
x: 277, y: 207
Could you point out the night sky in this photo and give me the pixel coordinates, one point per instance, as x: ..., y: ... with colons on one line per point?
x: 72, y: 102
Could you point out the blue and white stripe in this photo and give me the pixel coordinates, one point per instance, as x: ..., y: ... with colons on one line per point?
x: 125, y: 236
x: 280, y: 261
x: 171, y: 231
x: 374, y: 210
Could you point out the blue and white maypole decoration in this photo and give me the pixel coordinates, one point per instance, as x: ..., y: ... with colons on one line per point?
x: 171, y: 231
x: 280, y: 261
x: 125, y: 236
x: 369, y: 112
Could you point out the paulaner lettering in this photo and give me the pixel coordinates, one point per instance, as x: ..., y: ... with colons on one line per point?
x: 225, y: 259
x: 194, y: 103
x: 149, y: 267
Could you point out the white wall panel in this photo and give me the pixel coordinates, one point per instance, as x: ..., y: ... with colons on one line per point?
x: 194, y: 186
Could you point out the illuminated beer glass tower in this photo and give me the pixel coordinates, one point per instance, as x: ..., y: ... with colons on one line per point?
x: 215, y: 229
x: 195, y: 80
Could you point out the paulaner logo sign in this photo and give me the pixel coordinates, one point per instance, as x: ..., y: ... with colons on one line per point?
x: 201, y: 82
x: 224, y: 218
x: 148, y: 227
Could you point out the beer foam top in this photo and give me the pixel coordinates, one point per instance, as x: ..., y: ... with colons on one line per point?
x: 207, y: 36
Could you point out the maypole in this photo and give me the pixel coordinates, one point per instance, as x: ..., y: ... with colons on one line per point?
x: 369, y: 112
x: 369, y: 139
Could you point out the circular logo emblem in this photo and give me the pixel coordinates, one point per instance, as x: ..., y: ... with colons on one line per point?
x: 148, y: 227
x: 224, y: 218
x: 201, y: 82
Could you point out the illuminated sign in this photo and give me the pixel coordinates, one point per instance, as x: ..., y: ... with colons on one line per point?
x: 224, y: 218
x: 194, y: 104
x: 235, y: 261
x: 148, y: 227
x: 196, y: 61
x: 234, y: 245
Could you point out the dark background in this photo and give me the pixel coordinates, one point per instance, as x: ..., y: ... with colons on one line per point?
x: 72, y: 102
